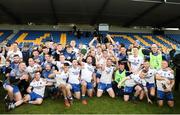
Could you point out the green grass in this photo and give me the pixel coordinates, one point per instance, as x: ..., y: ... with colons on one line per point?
x: 95, y: 105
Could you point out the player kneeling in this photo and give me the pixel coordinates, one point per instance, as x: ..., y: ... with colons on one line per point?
x: 87, y: 76
x: 150, y: 79
x: 61, y: 81
x: 135, y: 82
x: 165, y: 82
x: 35, y: 90
x: 105, y: 83
x: 74, y: 82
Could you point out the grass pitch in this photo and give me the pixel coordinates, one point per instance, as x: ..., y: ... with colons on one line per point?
x: 103, y: 105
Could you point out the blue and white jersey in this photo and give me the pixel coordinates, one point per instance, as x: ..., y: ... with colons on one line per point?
x: 32, y: 69
x: 101, y: 61
x: 61, y: 78
x: 74, y: 74
x: 106, y: 75
x: 150, y: 77
x: 38, y: 86
x: 138, y: 80
x: 87, y: 72
x: 129, y: 83
x: 135, y: 80
x: 161, y: 84
x: 98, y: 56
x: 11, y: 54
x: 64, y: 76
x: 135, y: 62
x: 76, y: 50
x: 60, y: 64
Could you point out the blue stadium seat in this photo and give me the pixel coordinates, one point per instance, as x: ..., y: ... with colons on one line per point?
x: 55, y: 36
x: 4, y: 34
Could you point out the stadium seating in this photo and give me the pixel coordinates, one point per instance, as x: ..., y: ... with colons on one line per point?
x: 4, y: 34
x: 83, y: 39
x: 146, y: 39
x: 36, y: 37
x: 174, y: 37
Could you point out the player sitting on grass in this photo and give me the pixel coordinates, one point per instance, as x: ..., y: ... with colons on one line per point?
x: 87, y: 78
x: 18, y: 81
x: 135, y: 82
x: 165, y: 82
x: 105, y: 83
x: 36, y: 90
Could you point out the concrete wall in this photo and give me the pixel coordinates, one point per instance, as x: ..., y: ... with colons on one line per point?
x: 68, y: 27
x: 172, y: 32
